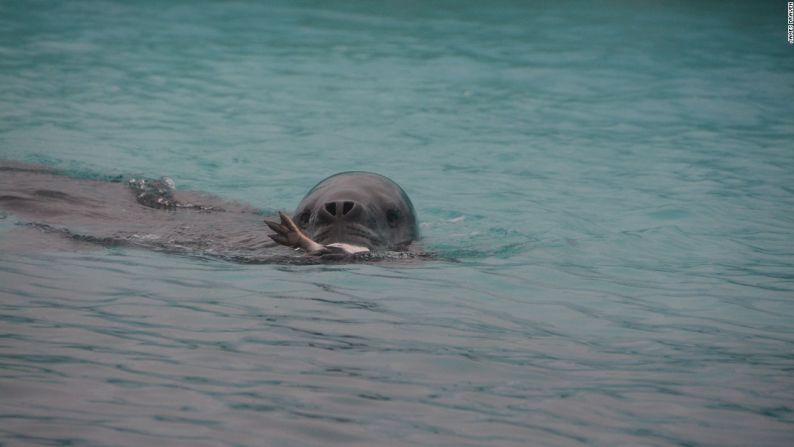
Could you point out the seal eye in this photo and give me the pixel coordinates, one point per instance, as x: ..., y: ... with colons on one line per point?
x: 303, y: 218
x: 392, y: 217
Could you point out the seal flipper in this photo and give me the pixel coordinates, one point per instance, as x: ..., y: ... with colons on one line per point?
x: 154, y: 193
x: 160, y: 194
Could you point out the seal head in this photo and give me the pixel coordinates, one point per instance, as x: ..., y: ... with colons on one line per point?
x: 358, y: 208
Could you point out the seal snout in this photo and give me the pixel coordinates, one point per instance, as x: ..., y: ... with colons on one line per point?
x: 339, y: 210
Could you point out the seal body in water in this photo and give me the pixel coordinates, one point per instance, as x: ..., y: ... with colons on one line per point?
x: 353, y: 216
x: 350, y: 212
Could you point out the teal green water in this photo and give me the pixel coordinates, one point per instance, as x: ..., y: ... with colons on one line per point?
x: 615, y: 181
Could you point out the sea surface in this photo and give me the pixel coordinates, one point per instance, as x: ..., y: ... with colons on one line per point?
x: 609, y: 187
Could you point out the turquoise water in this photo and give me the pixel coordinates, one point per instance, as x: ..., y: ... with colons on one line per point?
x: 615, y: 182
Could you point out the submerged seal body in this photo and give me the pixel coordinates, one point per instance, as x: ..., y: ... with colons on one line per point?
x: 353, y: 212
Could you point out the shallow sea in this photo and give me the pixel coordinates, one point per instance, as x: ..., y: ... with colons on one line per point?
x: 615, y: 182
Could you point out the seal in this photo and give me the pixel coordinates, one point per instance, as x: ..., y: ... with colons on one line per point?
x: 348, y: 217
x: 350, y: 212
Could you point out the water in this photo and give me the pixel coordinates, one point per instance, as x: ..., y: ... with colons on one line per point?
x: 615, y: 181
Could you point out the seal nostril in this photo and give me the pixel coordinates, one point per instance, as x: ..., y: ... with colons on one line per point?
x: 347, y: 207
x: 331, y: 208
